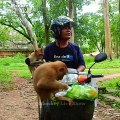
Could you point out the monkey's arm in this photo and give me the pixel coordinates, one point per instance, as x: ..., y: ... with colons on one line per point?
x: 56, y: 85
x: 36, y: 63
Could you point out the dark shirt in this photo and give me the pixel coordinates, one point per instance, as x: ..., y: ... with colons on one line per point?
x: 70, y: 55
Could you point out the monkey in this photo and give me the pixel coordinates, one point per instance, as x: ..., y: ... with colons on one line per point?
x: 34, y: 59
x: 46, y: 79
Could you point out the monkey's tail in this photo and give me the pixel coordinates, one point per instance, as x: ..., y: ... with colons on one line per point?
x: 39, y: 107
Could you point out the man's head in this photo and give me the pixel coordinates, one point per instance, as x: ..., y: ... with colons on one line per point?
x: 59, y: 24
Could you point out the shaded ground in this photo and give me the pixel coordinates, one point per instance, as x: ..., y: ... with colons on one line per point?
x: 107, y: 77
x: 21, y: 103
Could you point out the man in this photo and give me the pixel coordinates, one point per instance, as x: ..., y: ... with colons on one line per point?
x: 62, y: 49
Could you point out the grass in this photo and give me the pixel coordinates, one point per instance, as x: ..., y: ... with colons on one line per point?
x: 5, y: 76
x: 8, y: 65
x: 13, y: 63
x: 112, y: 84
x: 112, y: 103
x: 104, y: 71
x: 6, y: 79
x: 115, y: 63
x: 24, y: 74
x: 105, y: 67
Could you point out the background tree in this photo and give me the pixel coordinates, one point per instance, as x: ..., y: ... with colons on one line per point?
x: 89, y: 27
x: 108, y: 48
x: 45, y: 20
x: 4, y: 33
x: 71, y: 15
x: 25, y: 24
x: 9, y: 18
x: 92, y: 32
x: 115, y: 23
x: 119, y: 6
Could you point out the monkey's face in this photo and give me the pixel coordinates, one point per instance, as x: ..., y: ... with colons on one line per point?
x: 39, y: 53
x: 62, y: 72
x: 61, y: 69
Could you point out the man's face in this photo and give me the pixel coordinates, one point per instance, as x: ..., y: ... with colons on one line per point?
x: 66, y: 33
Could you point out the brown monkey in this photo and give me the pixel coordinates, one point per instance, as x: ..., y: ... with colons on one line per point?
x: 34, y: 59
x: 46, y: 78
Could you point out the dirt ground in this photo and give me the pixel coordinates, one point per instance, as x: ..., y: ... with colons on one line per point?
x: 21, y: 103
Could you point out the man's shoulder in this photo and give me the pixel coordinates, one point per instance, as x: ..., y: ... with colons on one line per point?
x: 74, y: 45
x: 50, y: 45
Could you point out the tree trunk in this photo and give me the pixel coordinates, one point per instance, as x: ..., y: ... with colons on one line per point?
x: 108, y: 48
x: 119, y: 34
x: 119, y: 6
x: 26, y: 24
x: 45, y: 22
x: 71, y: 15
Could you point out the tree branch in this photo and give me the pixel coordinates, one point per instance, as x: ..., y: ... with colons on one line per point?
x: 26, y: 24
x: 20, y: 43
x: 25, y: 35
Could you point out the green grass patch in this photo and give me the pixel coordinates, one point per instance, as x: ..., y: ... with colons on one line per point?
x: 103, y: 71
x: 12, y: 64
x: 6, y: 79
x: 116, y: 94
x: 5, y: 76
x: 111, y: 84
x: 113, y: 103
x: 115, y: 63
x: 24, y: 74
x: 89, y: 59
x: 8, y: 65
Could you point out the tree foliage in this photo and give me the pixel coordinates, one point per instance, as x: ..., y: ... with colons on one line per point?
x: 89, y: 27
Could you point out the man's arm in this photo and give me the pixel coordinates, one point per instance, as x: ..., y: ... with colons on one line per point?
x: 81, y: 68
x: 81, y: 62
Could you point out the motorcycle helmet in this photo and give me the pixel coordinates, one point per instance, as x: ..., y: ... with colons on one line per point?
x: 58, y: 23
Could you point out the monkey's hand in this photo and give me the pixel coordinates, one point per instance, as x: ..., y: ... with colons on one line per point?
x: 36, y: 63
x: 69, y: 100
x: 64, y: 86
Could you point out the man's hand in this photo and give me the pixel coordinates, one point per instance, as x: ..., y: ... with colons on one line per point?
x: 81, y: 68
